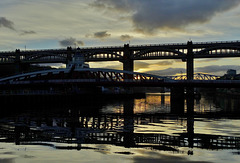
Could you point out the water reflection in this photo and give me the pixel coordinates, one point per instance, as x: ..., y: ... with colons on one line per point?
x: 134, y: 123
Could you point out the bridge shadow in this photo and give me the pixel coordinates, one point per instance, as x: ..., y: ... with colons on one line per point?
x: 82, y: 122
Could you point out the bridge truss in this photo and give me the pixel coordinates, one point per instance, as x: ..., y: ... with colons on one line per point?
x: 99, y: 75
x: 197, y: 76
x: 85, y: 75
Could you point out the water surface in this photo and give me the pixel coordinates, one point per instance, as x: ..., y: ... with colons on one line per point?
x: 117, y: 129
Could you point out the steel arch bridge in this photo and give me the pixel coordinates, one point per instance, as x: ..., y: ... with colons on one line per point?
x: 85, y: 75
x: 91, y: 78
x: 98, y: 77
x: 197, y: 76
x: 121, y: 53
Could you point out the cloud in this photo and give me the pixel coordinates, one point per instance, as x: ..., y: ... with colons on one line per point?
x: 151, y: 15
x: 213, y: 70
x: 207, y: 60
x: 6, y: 23
x: 116, y: 67
x: 27, y: 32
x: 125, y: 37
x: 140, y: 65
x: 164, y: 63
x: 217, y: 70
x: 167, y: 72
x: 101, y: 35
x: 71, y: 42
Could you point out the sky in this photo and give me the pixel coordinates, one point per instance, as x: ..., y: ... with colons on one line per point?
x: 44, y: 24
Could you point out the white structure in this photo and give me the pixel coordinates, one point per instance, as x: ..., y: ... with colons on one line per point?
x: 78, y: 61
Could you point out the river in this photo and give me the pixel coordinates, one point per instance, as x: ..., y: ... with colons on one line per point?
x: 119, y: 129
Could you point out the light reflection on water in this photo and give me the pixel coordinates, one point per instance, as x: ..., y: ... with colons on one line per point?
x: 126, y: 130
x: 153, y: 103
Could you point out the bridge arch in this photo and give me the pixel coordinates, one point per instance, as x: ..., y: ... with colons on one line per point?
x: 46, y: 56
x: 158, y: 52
x: 102, y: 54
x: 220, y: 50
x: 7, y: 59
x: 85, y: 75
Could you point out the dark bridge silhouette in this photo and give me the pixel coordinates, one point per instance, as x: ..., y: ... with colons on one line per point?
x: 135, y: 52
x: 108, y: 129
x: 127, y: 54
x: 110, y: 77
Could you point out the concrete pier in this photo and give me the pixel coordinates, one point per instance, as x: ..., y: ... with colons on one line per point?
x: 128, y: 63
x: 177, y: 100
x: 190, y: 61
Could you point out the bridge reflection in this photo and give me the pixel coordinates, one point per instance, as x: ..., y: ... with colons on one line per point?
x: 77, y: 126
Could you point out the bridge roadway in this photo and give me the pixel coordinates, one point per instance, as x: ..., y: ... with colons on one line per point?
x: 121, y: 53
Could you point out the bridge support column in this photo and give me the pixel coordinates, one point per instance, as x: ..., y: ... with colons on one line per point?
x: 128, y: 123
x: 190, y: 117
x: 69, y: 54
x: 190, y: 61
x: 190, y: 100
x: 190, y: 132
x: 17, y: 61
x: 162, y: 96
x: 128, y: 64
x: 177, y: 100
x: 163, y: 99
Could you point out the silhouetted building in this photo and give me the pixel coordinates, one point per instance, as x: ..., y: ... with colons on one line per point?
x: 231, y: 72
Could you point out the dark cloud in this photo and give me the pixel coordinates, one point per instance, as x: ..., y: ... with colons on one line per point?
x: 167, y: 72
x: 112, y: 5
x: 148, y: 16
x: 71, y: 42
x: 6, y: 23
x: 101, y: 35
x: 27, y: 32
x: 126, y: 37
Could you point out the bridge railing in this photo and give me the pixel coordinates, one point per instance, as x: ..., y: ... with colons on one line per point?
x: 217, y: 42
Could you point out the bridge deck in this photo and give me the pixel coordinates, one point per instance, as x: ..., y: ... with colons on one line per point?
x: 137, y: 52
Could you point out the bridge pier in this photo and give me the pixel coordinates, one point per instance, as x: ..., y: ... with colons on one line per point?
x: 190, y: 100
x: 18, y: 66
x: 69, y: 54
x: 17, y: 61
x: 177, y: 100
x: 190, y: 61
x: 128, y: 63
x: 162, y: 91
x: 128, y: 138
x: 190, y: 132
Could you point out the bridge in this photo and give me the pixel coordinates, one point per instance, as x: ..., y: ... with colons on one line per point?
x: 110, y: 77
x: 109, y: 129
x: 128, y: 54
